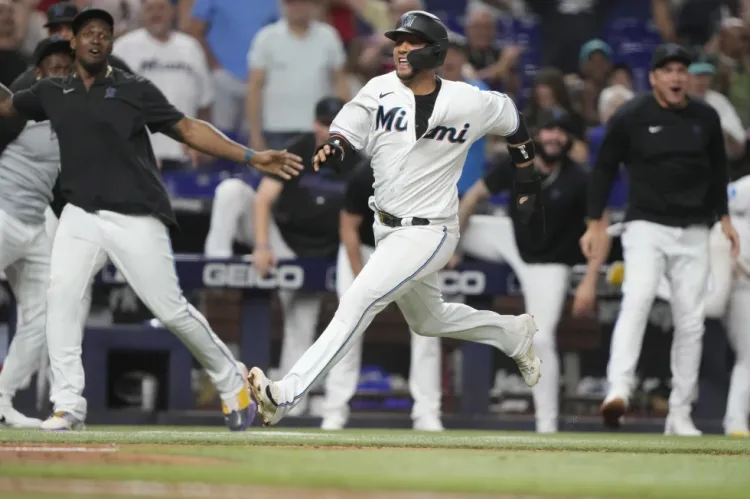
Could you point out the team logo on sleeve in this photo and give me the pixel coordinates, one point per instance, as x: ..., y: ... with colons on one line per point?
x: 449, y: 133
x: 393, y: 119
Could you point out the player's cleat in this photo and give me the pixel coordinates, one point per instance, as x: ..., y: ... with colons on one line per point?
x: 11, y: 418
x: 681, y: 425
x: 62, y: 421
x: 239, y: 411
x: 266, y: 393
x: 612, y: 410
x: 428, y: 423
x: 333, y: 423
x: 528, y: 363
x: 739, y: 433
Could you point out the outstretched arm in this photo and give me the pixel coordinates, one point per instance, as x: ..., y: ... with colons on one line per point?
x: 203, y: 137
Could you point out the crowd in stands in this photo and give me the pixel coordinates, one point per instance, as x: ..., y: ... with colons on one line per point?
x: 257, y: 69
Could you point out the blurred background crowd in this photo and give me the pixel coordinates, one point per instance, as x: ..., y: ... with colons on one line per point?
x: 256, y: 69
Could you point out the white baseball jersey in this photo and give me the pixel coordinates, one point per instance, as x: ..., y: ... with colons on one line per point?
x: 739, y: 209
x: 417, y: 178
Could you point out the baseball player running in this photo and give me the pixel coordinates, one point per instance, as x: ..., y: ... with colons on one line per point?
x: 29, y: 166
x: 357, y: 246
x: 118, y: 208
x: 417, y: 129
x: 542, y: 264
x: 673, y: 148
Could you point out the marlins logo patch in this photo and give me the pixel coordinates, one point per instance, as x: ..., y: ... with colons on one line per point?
x: 408, y: 21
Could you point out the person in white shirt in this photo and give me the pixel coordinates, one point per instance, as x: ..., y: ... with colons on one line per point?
x: 176, y: 63
x: 293, y: 64
x: 699, y: 86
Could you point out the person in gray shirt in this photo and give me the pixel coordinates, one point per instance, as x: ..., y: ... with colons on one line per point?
x: 29, y: 165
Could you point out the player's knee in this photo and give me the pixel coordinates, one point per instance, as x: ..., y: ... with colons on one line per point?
x: 232, y: 189
x: 690, y: 324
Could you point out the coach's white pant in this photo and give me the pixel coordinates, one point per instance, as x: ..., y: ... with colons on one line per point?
x: 403, y: 269
x: 25, y: 258
x: 140, y: 248
x: 424, y: 369
x: 232, y: 220
x: 682, y: 255
x: 545, y: 286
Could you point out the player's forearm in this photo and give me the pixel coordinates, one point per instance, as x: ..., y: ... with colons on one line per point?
x: 203, y: 137
x: 262, y: 221
x: 353, y: 247
x: 6, y: 102
x: 468, y: 206
x: 254, y: 108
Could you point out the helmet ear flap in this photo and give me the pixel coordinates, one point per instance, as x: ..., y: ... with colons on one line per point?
x: 426, y: 58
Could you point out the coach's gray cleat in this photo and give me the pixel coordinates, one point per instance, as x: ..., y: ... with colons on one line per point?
x: 528, y: 363
x: 266, y: 393
x: 62, y: 421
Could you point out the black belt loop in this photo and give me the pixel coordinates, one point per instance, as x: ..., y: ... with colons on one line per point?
x: 390, y: 221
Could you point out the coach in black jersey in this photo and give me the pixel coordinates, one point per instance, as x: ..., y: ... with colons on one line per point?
x: 673, y: 149
x: 118, y: 208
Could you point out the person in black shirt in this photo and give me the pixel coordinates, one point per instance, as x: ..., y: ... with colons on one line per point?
x: 284, y: 221
x: 118, y: 208
x: 357, y: 245
x: 673, y: 149
x: 541, y: 262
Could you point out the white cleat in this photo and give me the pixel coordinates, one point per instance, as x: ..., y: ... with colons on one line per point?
x: 528, y: 363
x: 62, y: 421
x: 333, y: 423
x: 11, y: 418
x: 265, y: 392
x: 681, y: 426
x: 428, y: 423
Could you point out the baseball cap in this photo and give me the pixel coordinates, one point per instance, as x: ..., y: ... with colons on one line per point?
x: 670, y: 52
x: 51, y: 45
x: 595, y: 45
x: 88, y: 14
x: 702, y: 68
x: 61, y: 13
x: 327, y: 109
x: 554, y: 118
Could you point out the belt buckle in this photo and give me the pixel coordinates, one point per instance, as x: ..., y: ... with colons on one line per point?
x: 381, y: 215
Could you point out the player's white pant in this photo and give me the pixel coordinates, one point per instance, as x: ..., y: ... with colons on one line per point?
x: 25, y: 257
x: 652, y: 251
x: 140, y: 248
x: 424, y: 369
x: 403, y: 269
x: 545, y: 286
x: 232, y: 220
x: 738, y: 329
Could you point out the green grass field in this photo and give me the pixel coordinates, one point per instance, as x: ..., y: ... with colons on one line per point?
x: 174, y: 462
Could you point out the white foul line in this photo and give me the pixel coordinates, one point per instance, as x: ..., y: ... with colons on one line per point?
x: 58, y: 449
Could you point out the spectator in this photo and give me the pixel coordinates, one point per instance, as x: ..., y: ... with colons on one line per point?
x: 732, y: 75
x: 566, y: 25
x: 549, y: 93
x: 226, y: 29
x: 376, y: 13
x: 377, y: 57
x: 610, y: 100
x: 29, y: 26
x: 595, y: 67
x: 339, y: 15
x: 293, y: 64
x: 12, y: 63
x: 622, y: 74
x: 690, y: 22
x: 496, y: 66
x: 176, y: 64
x: 699, y: 87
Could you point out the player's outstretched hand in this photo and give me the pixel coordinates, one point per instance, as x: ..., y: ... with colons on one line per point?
x: 281, y: 163
x: 594, y: 242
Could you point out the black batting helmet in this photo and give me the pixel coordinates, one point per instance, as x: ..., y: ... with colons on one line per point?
x: 429, y: 28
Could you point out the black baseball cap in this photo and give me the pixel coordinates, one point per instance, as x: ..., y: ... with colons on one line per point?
x: 61, y: 13
x: 51, y: 45
x: 327, y: 108
x: 670, y: 52
x: 554, y: 118
x: 88, y: 14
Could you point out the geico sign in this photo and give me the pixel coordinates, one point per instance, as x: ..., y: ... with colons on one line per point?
x: 467, y: 282
x: 244, y: 275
